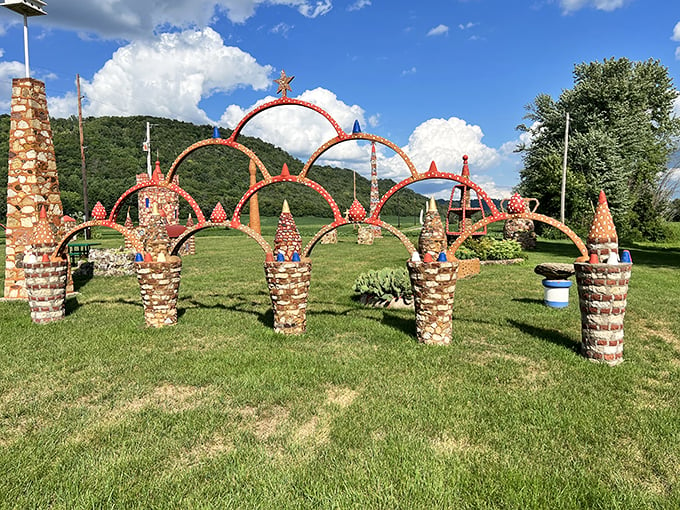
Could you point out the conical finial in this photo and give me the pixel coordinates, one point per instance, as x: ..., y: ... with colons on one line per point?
x: 284, y: 171
x: 432, y: 206
x: 602, y: 199
x: 43, y: 213
x: 218, y: 214
x: 98, y: 211
x: 356, y: 128
x: 466, y: 170
x: 285, y: 209
x: 602, y: 237
x: 216, y: 132
x: 433, y: 167
x: 156, y: 176
x: 356, y: 212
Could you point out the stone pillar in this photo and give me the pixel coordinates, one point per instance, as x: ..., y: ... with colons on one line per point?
x: 365, y: 234
x: 522, y: 231
x: 602, y: 292
x: 159, y: 285
x: 46, y: 289
x: 32, y: 178
x: 434, y: 286
x: 288, y: 284
x: 330, y: 238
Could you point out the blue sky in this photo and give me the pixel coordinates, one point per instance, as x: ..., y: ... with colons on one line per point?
x: 440, y: 78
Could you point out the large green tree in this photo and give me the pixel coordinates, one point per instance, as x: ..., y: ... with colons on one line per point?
x: 622, y: 133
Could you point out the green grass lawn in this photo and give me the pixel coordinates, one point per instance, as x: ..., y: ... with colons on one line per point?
x: 221, y: 412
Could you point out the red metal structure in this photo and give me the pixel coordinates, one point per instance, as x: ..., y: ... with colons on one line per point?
x: 461, y: 215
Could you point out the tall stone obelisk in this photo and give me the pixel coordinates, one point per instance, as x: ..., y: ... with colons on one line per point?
x: 32, y: 180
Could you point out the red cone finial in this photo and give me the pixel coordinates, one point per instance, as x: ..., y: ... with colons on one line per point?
x: 433, y: 167
x: 43, y: 213
x: 156, y: 176
x: 98, y: 211
x: 356, y: 212
x: 218, y: 215
x: 466, y: 170
x: 284, y: 171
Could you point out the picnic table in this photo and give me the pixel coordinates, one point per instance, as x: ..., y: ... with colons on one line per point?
x: 79, y: 250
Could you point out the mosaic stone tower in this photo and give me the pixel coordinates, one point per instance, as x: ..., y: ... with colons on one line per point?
x: 375, y: 193
x: 166, y: 200
x: 32, y: 178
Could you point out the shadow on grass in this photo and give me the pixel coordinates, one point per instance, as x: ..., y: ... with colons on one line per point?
x: 71, y: 305
x: 552, y: 335
x: 406, y: 326
x: 530, y: 301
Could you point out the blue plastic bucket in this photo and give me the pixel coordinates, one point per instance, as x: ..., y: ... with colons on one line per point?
x: 556, y: 293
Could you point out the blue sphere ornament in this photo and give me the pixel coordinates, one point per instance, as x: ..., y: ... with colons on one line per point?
x: 296, y: 257
x: 279, y: 257
x: 139, y: 258
x: 625, y: 257
x: 356, y: 128
x: 216, y: 132
x: 442, y: 257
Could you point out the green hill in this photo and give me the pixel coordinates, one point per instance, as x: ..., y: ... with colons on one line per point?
x: 114, y: 156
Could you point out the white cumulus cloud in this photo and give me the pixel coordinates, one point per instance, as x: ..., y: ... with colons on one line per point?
x: 438, y: 30
x: 359, y: 4
x: 169, y: 77
x: 676, y: 37
x: 8, y: 70
x: 299, y: 130
x: 132, y: 19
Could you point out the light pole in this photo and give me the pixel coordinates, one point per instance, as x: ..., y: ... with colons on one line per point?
x: 26, y: 8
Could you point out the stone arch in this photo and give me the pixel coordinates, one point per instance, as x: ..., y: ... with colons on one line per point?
x: 228, y: 142
x: 358, y: 136
x: 451, y: 251
x: 128, y: 234
x: 337, y: 215
x: 433, y: 173
x: 188, y: 233
x: 307, y: 251
x: 285, y: 101
x: 160, y: 184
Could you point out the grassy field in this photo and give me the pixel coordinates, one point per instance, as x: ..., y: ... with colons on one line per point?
x: 221, y: 412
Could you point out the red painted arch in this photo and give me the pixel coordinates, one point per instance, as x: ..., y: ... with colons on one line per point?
x: 451, y: 252
x: 228, y: 142
x: 161, y: 184
x: 177, y: 244
x: 307, y: 251
x: 128, y: 234
x: 285, y: 101
x: 358, y: 136
x: 481, y: 194
x: 286, y: 178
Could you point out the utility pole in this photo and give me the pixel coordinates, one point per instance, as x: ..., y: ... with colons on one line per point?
x: 147, y: 148
x: 83, y: 168
x: 564, y: 169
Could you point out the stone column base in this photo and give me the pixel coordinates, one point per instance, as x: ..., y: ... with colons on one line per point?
x: 288, y: 284
x: 365, y: 235
x: 46, y: 290
x: 159, y: 285
x: 330, y: 238
x: 602, y: 292
x: 434, y: 286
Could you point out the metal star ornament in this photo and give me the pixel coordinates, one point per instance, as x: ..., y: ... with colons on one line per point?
x: 284, y: 84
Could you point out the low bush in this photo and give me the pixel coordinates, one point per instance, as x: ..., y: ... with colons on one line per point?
x: 488, y: 248
x: 387, y: 283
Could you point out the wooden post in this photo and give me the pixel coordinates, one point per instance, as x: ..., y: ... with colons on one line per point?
x: 254, y: 221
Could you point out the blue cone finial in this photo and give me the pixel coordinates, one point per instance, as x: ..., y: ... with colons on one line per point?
x: 356, y: 128
x: 625, y: 257
x: 295, y: 257
x: 442, y: 257
x: 139, y: 258
x: 279, y: 257
x: 216, y: 132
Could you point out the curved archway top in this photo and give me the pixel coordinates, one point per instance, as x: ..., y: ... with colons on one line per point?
x: 160, y: 184
x: 337, y: 215
x: 228, y: 142
x: 451, y: 251
x: 358, y: 136
x: 433, y: 173
x: 128, y: 234
x: 283, y: 101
